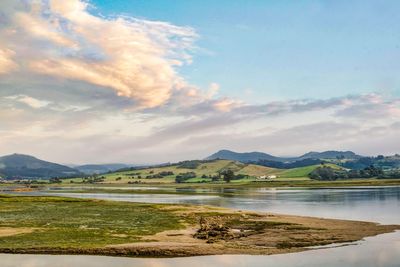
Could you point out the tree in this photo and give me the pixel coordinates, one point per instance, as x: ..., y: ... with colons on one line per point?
x: 228, y: 175
x: 182, y: 177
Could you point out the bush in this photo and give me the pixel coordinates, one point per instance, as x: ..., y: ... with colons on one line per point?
x: 166, y: 173
x: 189, y: 164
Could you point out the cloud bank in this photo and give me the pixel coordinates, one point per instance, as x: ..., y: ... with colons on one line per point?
x: 78, y: 87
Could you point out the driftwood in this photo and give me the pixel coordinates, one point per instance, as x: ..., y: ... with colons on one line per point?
x: 213, y: 229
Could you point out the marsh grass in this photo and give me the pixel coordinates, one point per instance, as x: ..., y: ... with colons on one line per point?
x: 68, y: 222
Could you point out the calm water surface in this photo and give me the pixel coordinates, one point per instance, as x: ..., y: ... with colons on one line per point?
x: 380, y: 204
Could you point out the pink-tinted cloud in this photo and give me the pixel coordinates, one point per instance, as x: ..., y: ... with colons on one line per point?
x: 6, y: 62
x: 136, y: 58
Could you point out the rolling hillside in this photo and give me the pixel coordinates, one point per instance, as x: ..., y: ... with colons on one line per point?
x: 203, y: 172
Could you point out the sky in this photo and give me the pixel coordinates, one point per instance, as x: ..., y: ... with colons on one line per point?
x: 151, y: 81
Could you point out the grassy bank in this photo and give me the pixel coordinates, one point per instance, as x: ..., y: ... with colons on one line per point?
x: 76, y: 226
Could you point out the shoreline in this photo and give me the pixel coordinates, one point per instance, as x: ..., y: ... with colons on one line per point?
x: 195, y: 188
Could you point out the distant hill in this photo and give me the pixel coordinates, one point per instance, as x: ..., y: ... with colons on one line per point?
x: 100, y: 168
x: 244, y: 157
x: 383, y: 162
x: 259, y: 156
x: 17, y: 166
x: 330, y: 155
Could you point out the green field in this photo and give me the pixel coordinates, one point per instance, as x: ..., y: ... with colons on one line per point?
x: 301, y: 172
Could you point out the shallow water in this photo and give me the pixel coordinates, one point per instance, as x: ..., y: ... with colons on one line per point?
x: 381, y: 251
x: 380, y: 204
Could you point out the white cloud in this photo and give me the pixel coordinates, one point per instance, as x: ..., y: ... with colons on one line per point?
x: 136, y: 58
x: 30, y: 101
x: 213, y: 90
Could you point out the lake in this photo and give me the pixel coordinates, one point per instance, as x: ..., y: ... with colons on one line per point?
x: 379, y: 204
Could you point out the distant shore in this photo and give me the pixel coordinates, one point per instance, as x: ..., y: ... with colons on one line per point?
x: 270, y: 183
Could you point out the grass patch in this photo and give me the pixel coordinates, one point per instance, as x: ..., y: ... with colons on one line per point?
x: 68, y: 222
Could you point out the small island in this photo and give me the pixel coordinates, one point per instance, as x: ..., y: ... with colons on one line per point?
x: 58, y: 225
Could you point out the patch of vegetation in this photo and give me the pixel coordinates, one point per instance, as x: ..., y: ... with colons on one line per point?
x: 161, y: 174
x: 189, y: 164
x: 326, y: 173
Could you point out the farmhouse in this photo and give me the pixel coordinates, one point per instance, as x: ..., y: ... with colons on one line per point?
x: 266, y: 177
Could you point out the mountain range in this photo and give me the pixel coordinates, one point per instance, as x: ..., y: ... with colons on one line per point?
x: 259, y: 156
x: 18, y: 166
x: 100, y: 168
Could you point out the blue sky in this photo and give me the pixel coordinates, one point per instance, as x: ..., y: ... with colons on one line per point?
x: 284, y: 49
x: 155, y: 81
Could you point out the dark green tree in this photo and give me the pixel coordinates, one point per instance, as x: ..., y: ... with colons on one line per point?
x: 228, y: 175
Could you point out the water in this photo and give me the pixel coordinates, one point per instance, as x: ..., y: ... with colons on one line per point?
x: 380, y: 204
x: 381, y: 251
x: 377, y: 204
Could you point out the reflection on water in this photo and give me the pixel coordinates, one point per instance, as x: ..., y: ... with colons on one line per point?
x: 381, y: 251
x: 380, y: 204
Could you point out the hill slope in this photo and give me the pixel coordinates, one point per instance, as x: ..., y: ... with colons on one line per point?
x: 18, y: 166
